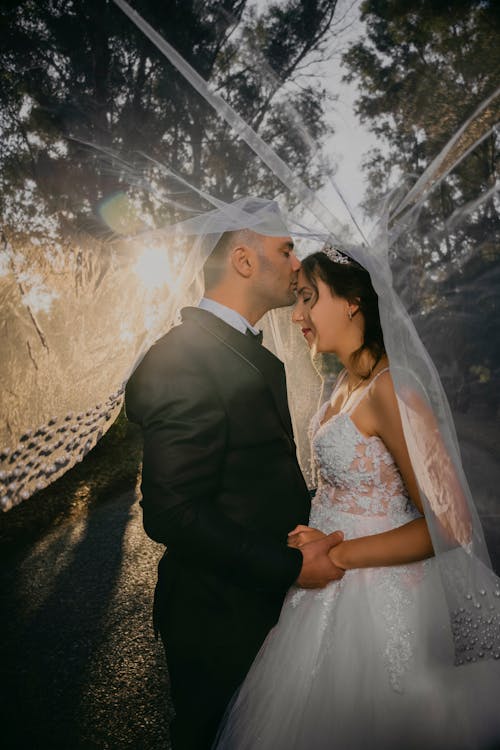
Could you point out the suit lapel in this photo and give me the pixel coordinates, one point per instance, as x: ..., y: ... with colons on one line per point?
x: 254, y: 354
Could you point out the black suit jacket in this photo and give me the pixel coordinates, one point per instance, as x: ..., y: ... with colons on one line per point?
x: 221, y: 487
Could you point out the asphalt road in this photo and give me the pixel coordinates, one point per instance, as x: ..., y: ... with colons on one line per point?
x: 80, y: 668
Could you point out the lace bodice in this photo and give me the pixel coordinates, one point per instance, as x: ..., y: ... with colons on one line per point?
x: 356, y: 473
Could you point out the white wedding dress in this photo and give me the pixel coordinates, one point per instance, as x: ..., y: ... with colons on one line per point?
x: 367, y: 662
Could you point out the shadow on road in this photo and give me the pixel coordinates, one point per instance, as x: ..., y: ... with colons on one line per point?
x: 78, y: 659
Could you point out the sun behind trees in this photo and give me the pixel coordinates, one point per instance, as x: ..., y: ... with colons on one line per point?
x: 90, y: 113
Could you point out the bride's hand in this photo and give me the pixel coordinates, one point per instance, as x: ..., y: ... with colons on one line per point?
x: 301, y: 535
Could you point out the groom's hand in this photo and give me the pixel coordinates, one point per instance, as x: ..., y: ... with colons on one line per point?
x: 317, y: 568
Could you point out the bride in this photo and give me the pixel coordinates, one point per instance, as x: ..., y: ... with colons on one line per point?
x: 367, y: 662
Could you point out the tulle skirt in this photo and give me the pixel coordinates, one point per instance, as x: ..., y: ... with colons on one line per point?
x: 367, y: 662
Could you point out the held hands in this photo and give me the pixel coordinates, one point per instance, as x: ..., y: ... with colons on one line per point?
x: 301, y: 535
x: 317, y: 568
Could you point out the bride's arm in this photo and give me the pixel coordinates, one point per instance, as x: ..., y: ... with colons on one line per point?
x: 407, y: 543
x: 400, y: 546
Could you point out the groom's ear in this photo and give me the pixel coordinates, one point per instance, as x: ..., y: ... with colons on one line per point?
x: 242, y: 260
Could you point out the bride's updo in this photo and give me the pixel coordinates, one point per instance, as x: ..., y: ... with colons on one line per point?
x: 348, y: 279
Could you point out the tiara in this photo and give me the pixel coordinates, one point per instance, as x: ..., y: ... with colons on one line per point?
x: 335, y: 255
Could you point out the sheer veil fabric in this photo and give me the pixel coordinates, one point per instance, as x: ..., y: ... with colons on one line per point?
x: 58, y: 427
x: 472, y: 588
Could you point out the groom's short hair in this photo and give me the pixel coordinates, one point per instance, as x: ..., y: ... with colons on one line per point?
x: 215, y: 265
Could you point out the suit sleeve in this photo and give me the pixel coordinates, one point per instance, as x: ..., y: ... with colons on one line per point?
x: 184, y: 428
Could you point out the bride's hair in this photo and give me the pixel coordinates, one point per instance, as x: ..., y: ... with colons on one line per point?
x: 352, y: 282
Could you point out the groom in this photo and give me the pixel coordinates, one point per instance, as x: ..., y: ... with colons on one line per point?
x: 221, y: 484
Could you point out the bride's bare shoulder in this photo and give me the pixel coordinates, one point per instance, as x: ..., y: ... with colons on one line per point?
x: 382, y: 392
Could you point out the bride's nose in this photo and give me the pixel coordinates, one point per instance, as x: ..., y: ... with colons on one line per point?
x: 295, y: 262
x: 297, y: 314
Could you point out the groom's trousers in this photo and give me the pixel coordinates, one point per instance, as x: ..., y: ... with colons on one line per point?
x: 208, y: 650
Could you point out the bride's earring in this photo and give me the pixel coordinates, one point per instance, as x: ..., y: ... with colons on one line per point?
x: 349, y: 312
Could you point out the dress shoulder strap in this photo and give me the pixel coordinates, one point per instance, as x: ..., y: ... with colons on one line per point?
x: 338, y: 381
x: 363, y: 393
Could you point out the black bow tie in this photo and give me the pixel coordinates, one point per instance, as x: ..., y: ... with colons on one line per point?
x: 255, y: 336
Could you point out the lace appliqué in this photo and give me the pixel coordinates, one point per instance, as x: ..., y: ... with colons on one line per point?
x: 296, y: 595
x: 394, y: 590
x: 359, y: 468
x: 361, y: 492
x: 400, y: 636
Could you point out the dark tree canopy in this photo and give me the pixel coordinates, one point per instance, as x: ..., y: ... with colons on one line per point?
x: 78, y: 71
x: 423, y: 68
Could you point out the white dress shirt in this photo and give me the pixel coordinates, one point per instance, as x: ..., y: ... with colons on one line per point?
x: 228, y: 315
